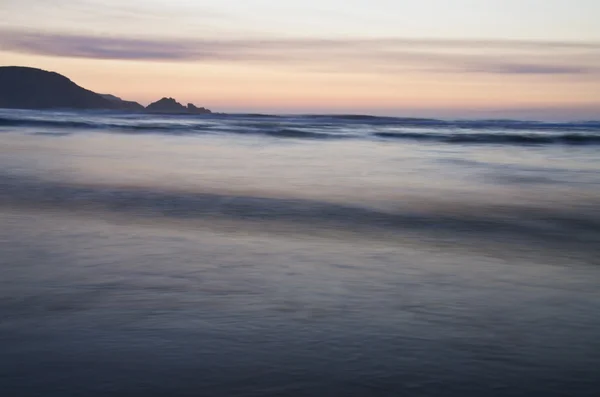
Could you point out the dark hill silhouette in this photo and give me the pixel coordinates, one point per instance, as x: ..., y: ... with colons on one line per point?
x: 122, y: 104
x: 30, y: 88
x: 170, y: 105
x: 166, y: 105
x: 193, y: 109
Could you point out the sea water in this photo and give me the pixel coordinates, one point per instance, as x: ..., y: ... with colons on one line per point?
x: 254, y: 255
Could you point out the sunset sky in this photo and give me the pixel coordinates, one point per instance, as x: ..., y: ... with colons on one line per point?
x: 459, y: 58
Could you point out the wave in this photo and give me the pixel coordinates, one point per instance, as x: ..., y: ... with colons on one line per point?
x: 73, y: 124
x: 496, y: 138
x: 506, y: 223
x: 499, y: 132
x: 500, y: 124
x: 290, y: 133
x: 189, y: 128
x: 14, y: 122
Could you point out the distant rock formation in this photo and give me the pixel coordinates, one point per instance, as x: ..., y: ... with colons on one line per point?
x: 122, y: 104
x: 31, y: 88
x: 166, y: 105
x: 193, y: 109
x: 170, y: 105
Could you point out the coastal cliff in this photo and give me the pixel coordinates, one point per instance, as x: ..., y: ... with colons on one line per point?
x: 170, y: 105
x: 31, y: 88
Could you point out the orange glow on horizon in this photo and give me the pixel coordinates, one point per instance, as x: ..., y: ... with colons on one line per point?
x: 223, y: 86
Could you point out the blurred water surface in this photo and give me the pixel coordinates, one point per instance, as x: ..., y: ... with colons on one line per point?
x: 249, y: 255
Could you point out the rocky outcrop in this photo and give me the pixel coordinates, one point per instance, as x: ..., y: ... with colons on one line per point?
x: 193, y: 109
x: 170, y: 105
x: 31, y: 88
x: 166, y: 105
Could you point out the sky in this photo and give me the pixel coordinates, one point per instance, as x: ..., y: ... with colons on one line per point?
x: 461, y: 58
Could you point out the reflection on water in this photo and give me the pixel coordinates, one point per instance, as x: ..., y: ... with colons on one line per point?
x: 155, y: 265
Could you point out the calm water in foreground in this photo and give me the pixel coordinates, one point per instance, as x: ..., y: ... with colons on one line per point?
x: 297, y: 256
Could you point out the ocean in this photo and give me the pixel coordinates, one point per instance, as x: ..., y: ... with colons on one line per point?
x: 316, y: 255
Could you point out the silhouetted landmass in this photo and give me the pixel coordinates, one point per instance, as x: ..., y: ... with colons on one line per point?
x: 194, y: 109
x: 166, y: 105
x: 170, y: 105
x: 125, y: 105
x: 111, y: 97
x: 31, y: 88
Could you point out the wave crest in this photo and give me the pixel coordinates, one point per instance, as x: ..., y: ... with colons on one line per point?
x: 497, y: 132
